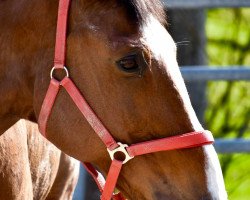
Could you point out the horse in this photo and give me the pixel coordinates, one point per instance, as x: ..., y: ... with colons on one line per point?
x: 33, y: 168
x: 123, y: 62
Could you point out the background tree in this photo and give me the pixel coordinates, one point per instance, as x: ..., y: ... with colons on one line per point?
x: 228, y: 112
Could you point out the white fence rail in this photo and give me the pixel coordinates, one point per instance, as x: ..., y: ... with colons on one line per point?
x: 187, y: 4
x: 229, y: 146
x: 202, y: 73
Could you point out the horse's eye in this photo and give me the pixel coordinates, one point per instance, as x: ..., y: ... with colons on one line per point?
x: 128, y: 64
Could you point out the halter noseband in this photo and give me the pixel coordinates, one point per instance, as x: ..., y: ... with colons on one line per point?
x: 188, y: 140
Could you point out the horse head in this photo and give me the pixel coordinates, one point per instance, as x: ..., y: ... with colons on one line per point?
x: 123, y: 61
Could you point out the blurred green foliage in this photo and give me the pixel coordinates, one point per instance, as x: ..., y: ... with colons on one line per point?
x: 228, y: 112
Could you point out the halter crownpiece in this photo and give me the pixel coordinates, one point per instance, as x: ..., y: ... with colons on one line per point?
x: 187, y: 140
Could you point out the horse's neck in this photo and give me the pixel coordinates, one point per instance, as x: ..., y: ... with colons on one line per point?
x: 26, y: 44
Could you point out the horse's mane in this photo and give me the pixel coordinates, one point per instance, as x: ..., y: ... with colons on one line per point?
x: 138, y: 10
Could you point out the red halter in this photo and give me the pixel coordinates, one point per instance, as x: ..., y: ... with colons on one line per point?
x: 187, y: 140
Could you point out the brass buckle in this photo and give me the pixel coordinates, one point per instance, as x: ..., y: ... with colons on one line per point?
x: 121, y: 148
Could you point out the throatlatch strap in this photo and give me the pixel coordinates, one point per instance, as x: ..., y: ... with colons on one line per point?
x: 47, y: 105
x: 97, y: 176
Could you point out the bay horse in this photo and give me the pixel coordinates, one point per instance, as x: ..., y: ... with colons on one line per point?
x: 33, y: 168
x: 123, y: 62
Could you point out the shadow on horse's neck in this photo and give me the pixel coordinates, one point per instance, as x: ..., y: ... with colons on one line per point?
x: 27, y: 44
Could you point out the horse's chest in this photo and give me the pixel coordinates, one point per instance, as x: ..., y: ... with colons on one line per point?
x: 28, y: 164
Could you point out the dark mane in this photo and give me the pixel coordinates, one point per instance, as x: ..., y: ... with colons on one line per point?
x: 138, y: 10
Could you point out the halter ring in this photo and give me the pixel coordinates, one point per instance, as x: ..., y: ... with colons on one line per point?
x: 121, y: 149
x: 53, y: 69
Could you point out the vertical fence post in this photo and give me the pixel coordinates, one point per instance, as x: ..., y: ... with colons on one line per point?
x: 187, y: 27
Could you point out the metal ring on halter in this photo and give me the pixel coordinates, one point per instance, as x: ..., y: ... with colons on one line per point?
x: 53, y: 69
x: 121, y: 149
